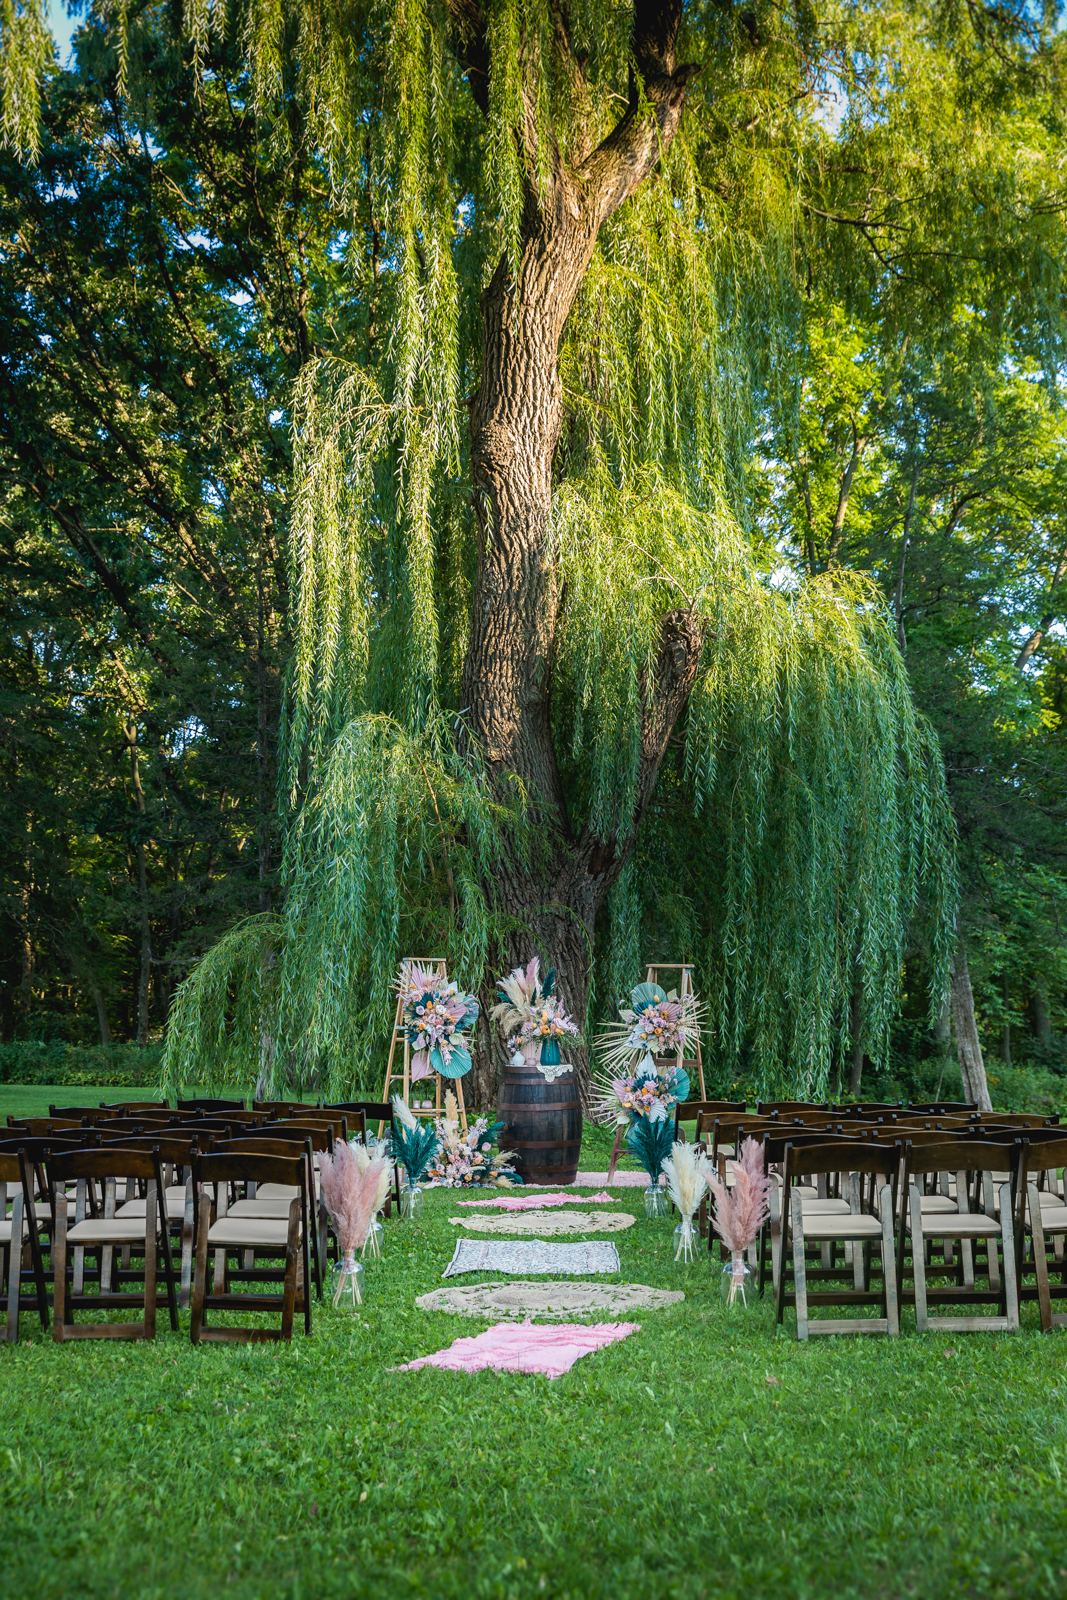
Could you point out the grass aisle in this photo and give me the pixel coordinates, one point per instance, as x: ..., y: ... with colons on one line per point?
x: 706, y: 1455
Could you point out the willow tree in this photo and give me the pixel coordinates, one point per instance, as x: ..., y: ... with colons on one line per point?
x: 526, y: 569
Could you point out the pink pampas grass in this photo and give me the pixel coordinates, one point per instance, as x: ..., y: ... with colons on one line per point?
x: 740, y: 1212
x: 353, y: 1185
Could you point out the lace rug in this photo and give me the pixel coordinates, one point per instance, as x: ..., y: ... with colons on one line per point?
x: 543, y: 1299
x: 534, y: 1202
x: 552, y: 1350
x: 532, y: 1255
x: 548, y: 1222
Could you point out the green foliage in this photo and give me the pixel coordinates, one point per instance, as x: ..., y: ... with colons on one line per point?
x: 651, y: 1142
x: 71, y: 1066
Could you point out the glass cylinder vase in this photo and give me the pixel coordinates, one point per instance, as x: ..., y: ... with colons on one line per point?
x: 410, y: 1201
x: 347, y: 1283
x: 685, y: 1237
x: 738, y: 1283
x: 373, y: 1244
x: 657, y: 1201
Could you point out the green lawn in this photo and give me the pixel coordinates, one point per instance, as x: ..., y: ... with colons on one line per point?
x: 707, y: 1455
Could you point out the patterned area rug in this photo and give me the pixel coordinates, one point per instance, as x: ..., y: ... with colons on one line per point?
x: 538, y: 1200
x: 551, y: 1350
x: 532, y: 1255
x: 621, y: 1180
x: 547, y: 1299
x: 548, y: 1223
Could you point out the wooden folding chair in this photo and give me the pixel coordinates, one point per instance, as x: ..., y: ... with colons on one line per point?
x: 19, y: 1235
x: 178, y: 1150
x: 210, y: 1105
x: 985, y: 1184
x: 381, y: 1112
x: 263, y: 1236
x: 691, y: 1111
x: 1042, y: 1211
x: 272, y: 1200
x: 105, y: 1234
x: 868, y: 1221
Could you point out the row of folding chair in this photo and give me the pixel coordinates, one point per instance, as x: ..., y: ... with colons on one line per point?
x: 253, y: 1213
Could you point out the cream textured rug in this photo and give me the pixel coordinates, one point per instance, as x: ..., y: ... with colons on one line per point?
x: 532, y: 1255
x: 621, y: 1180
x: 548, y: 1223
x: 548, y: 1299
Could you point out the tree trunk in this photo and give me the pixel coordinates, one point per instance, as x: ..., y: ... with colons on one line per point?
x: 1042, y: 1020
x: 101, y: 1009
x: 516, y: 415
x: 142, y: 892
x: 943, y: 1041
x: 968, y: 1047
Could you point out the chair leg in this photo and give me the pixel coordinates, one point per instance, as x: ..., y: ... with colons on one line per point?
x: 889, y: 1276
x: 200, y: 1275
x: 295, y: 1251
x: 1011, y: 1283
x: 14, y: 1268
x: 59, y: 1263
x: 151, y: 1245
x: 1037, y: 1232
x: 918, y: 1261
x: 168, y: 1262
x: 800, y: 1280
x: 187, y: 1246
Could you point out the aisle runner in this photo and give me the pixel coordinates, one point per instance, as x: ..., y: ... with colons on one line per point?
x: 534, y: 1201
x: 549, y: 1222
x: 540, y: 1299
x: 621, y: 1180
x: 551, y: 1349
x: 532, y: 1255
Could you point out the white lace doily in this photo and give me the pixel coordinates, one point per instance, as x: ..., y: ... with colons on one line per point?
x: 532, y: 1255
x: 524, y: 1299
x: 548, y: 1222
x: 551, y: 1073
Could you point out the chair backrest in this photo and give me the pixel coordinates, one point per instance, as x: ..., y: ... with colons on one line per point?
x: 945, y: 1107
x: 962, y: 1155
x: 38, y: 1127
x: 320, y: 1136
x: 134, y: 1105
x: 116, y: 1161
x: 336, y: 1126
x: 690, y: 1110
x: 842, y: 1155
x: 767, y: 1108
x: 1040, y: 1154
x: 281, y: 1108
x: 87, y: 1114
x: 239, y: 1163
x: 210, y: 1105
x: 177, y: 1148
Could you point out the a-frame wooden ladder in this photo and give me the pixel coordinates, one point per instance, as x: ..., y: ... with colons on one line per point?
x: 685, y: 990
x: 400, y: 1034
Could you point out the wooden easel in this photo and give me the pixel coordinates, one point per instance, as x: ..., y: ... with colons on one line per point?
x: 685, y: 991
x: 400, y: 1032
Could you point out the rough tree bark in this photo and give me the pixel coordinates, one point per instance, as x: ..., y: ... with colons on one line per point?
x: 142, y: 891
x: 968, y: 1046
x: 516, y: 416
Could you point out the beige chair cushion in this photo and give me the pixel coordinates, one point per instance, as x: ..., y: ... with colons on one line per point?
x: 933, y: 1204
x: 5, y: 1230
x: 1054, y: 1220
x: 857, y: 1225
x: 280, y: 1191
x: 115, y: 1230
x: 973, y: 1226
x: 175, y: 1206
x: 250, y: 1231
x: 812, y: 1206
x: 262, y: 1208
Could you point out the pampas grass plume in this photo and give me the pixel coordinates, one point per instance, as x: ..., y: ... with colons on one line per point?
x: 686, y: 1169
x: 742, y: 1211
x: 354, y: 1185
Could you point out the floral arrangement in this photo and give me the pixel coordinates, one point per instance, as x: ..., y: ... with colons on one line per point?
x: 415, y: 1143
x: 436, y: 1015
x: 530, y: 1013
x: 468, y: 1160
x: 353, y: 1185
x: 740, y: 1212
x: 640, y: 1080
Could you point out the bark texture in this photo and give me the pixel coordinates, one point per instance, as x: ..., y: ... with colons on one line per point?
x: 968, y: 1046
x: 516, y: 416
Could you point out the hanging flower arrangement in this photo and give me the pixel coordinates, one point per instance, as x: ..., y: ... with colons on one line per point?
x: 532, y: 1017
x: 468, y: 1160
x: 436, y: 1015
x: 641, y: 1076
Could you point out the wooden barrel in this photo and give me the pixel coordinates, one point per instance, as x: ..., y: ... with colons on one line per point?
x: 542, y: 1123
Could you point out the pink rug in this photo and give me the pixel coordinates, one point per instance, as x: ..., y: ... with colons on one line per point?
x: 551, y: 1348
x: 537, y: 1200
x: 621, y: 1180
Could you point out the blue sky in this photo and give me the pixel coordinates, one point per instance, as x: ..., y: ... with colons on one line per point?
x: 62, y: 26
